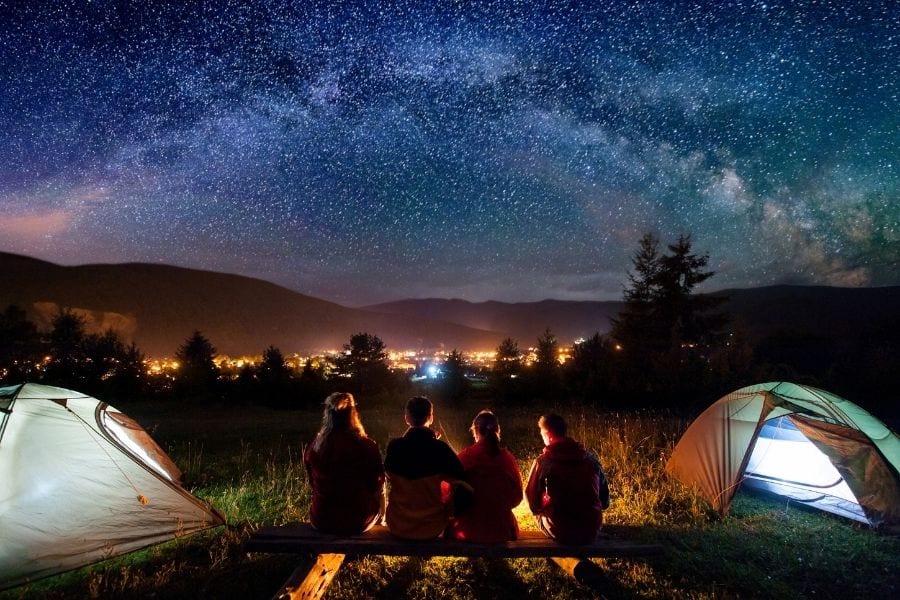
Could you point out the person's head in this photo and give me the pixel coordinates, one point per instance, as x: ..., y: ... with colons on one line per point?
x: 419, y: 412
x: 553, y: 427
x: 340, y: 414
x: 486, y: 427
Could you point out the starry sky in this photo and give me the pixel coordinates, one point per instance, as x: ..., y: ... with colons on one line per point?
x: 364, y: 152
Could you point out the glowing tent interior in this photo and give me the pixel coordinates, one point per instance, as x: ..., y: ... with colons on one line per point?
x: 796, y: 441
x: 82, y: 482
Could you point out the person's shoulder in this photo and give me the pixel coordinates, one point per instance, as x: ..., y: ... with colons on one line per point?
x: 368, y: 442
x: 440, y: 442
x: 467, y: 452
x: 507, y: 455
x: 394, y: 444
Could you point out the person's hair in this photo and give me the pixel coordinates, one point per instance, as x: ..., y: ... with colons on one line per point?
x: 340, y: 414
x: 486, y: 425
x: 553, y: 423
x: 418, y: 410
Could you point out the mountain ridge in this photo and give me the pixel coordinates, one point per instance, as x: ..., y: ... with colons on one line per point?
x: 159, y: 306
x: 763, y: 311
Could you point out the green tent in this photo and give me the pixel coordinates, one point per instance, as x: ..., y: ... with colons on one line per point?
x: 795, y: 441
x: 81, y: 482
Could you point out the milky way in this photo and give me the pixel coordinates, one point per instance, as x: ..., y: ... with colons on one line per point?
x: 505, y: 150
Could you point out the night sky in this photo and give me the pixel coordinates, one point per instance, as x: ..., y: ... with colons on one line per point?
x: 505, y: 150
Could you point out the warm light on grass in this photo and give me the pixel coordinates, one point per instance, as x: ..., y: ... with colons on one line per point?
x: 247, y: 462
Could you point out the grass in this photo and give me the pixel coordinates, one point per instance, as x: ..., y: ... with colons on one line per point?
x: 247, y: 462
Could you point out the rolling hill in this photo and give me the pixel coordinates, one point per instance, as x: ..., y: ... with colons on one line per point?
x: 159, y: 306
x: 827, y: 312
x: 523, y: 322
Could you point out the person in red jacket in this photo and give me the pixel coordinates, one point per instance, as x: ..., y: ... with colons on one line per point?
x: 494, y: 474
x: 567, y: 490
x: 345, y: 471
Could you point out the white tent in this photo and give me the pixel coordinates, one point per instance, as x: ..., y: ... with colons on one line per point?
x: 799, y: 442
x: 82, y: 482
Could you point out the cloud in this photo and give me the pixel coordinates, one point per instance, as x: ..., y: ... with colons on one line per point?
x: 36, y: 219
x: 40, y: 224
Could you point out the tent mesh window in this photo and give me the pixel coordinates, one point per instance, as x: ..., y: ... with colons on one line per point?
x: 133, y: 438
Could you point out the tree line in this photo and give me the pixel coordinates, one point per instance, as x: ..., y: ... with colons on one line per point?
x: 669, y: 347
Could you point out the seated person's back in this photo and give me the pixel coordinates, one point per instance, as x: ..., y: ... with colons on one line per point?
x: 494, y: 474
x: 567, y: 490
x: 416, y: 464
x: 345, y: 471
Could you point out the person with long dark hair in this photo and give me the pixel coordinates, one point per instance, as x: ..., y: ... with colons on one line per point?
x: 345, y: 471
x: 493, y: 472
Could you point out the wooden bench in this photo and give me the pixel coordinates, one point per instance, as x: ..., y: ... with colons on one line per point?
x: 310, y: 582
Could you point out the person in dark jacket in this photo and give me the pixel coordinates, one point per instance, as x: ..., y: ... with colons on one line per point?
x: 345, y: 471
x: 494, y: 474
x: 416, y: 465
x: 567, y: 489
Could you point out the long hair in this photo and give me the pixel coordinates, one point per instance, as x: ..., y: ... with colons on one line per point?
x: 487, y: 427
x: 340, y: 414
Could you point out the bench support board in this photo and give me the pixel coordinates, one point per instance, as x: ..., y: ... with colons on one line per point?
x: 311, y: 583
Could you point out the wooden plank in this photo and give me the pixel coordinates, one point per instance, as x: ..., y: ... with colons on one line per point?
x: 311, y: 583
x: 300, y: 537
x: 583, y: 571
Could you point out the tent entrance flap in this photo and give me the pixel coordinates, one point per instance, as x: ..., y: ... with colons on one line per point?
x: 786, y: 463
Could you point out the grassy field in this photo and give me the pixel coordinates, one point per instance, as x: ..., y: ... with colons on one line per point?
x: 246, y: 462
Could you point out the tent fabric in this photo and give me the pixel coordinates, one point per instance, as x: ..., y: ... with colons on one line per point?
x: 868, y: 476
x: 714, y: 452
x: 74, y: 494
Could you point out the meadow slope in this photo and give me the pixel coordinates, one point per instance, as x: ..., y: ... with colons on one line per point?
x: 246, y: 461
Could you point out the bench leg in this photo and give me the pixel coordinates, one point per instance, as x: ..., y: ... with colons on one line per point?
x: 585, y: 571
x: 311, y: 583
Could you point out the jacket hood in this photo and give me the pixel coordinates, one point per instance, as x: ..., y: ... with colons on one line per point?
x: 565, y: 449
x: 421, y: 433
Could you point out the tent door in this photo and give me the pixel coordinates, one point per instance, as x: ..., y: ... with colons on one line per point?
x: 786, y: 463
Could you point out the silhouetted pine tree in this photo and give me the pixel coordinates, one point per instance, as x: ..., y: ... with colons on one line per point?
x: 67, y: 351
x: 505, y: 379
x: 197, y: 372
x: 365, y: 363
x: 20, y: 346
x: 546, y: 382
x: 453, y: 384
x: 275, y: 379
x: 666, y: 334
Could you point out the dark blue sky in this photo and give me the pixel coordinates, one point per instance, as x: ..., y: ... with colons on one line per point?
x: 502, y: 150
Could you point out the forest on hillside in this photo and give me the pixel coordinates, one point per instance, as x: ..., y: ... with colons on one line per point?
x: 669, y: 348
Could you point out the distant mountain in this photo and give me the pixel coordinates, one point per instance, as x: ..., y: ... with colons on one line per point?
x: 776, y: 310
x: 820, y: 311
x: 524, y: 322
x: 159, y: 306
